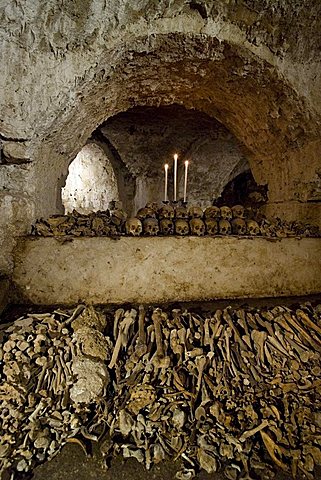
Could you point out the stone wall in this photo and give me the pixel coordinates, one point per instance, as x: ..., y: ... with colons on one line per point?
x: 164, y: 269
x: 91, y: 183
x: 68, y: 67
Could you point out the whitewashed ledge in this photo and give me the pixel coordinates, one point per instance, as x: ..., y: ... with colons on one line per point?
x: 102, y: 270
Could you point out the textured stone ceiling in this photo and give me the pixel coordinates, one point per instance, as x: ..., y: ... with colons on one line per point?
x: 148, y: 137
x: 145, y: 138
x: 255, y: 66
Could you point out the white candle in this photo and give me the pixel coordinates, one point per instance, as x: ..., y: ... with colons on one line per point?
x: 185, y: 180
x: 175, y: 177
x: 166, y: 176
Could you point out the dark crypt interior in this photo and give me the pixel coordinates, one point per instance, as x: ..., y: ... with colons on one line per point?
x: 160, y: 240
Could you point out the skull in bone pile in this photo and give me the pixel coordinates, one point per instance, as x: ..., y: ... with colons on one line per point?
x: 197, y: 226
x: 181, y: 213
x: 212, y: 213
x: 153, y: 206
x: 211, y: 226
x: 195, y: 212
x: 166, y: 226
x: 226, y: 213
x: 98, y: 225
x: 113, y: 230
x: 238, y: 211
x: 224, y: 227
x: 252, y: 227
x: 181, y: 227
x: 133, y: 227
x: 166, y: 211
x: 238, y: 226
x: 118, y: 217
x: 150, y: 226
x: 145, y: 212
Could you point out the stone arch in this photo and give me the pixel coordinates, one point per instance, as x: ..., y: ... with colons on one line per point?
x: 91, y: 182
x: 147, y: 137
x: 226, y: 81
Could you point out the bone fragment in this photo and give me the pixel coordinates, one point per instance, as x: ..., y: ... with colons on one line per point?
x: 253, y: 431
x: 156, y: 317
x: 141, y: 326
x: 118, y: 315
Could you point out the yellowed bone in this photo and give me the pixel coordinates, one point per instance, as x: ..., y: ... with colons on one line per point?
x: 273, y: 448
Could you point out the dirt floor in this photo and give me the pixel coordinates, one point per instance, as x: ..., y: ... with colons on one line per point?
x: 72, y: 464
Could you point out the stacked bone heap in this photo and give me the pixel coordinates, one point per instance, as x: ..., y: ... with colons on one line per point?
x: 237, y: 390
x: 154, y: 220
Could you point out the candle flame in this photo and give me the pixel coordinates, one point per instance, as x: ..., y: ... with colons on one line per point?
x: 186, y: 162
x: 166, y: 166
x: 175, y: 156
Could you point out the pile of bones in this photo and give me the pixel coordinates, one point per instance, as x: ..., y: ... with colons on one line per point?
x: 235, y: 390
x: 165, y: 220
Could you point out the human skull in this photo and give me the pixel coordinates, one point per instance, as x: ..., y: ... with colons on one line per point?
x: 211, y: 226
x: 226, y: 213
x: 195, y: 212
x: 250, y: 213
x: 224, y: 227
x: 145, y: 212
x: 181, y: 227
x: 98, y: 225
x: 238, y: 226
x: 166, y: 226
x: 153, y: 206
x: 113, y: 230
x: 212, y: 212
x: 181, y: 212
x: 238, y: 211
x: 166, y: 211
x: 252, y: 227
x: 150, y: 226
x: 197, y: 226
x: 118, y: 217
x: 133, y: 227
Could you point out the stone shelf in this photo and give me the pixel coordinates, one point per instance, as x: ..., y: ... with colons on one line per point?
x: 103, y: 270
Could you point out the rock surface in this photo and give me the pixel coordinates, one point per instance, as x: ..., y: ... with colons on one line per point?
x: 164, y: 269
x: 68, y: 67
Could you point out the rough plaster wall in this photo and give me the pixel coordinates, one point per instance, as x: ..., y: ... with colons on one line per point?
x: 91, y: 183
x: 16, y: 207
x: 68, y: 66
x: 147, y: 138
x: 164, y: 269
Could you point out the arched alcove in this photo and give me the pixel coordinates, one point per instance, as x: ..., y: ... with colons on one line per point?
x: 146, y: 138
x: 226, y: 81
x: 91, y: 182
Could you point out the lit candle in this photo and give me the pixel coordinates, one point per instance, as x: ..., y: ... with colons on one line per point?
x: 185, y: 180
x: 166, y: 175
x: 175, y: 177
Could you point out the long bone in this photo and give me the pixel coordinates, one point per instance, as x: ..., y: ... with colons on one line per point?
x: 118, y: 315
x: 200, y: 363
x: 121, y: 341
x: 176, y: 347
x: 75, y: 314
x: 253, y: 431
x: 41, y: 377
x: 156, y: 317
x: 259, y: 338
x: 141, y: 326
x: 303, y: 332
x: 237, y: 334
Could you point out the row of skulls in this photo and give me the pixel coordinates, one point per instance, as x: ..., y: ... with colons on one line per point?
x: 166, y: 220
